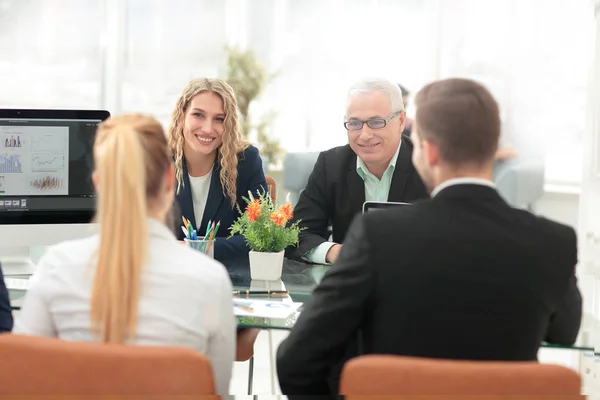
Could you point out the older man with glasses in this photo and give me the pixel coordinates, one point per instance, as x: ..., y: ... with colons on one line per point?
x: 375, y: 165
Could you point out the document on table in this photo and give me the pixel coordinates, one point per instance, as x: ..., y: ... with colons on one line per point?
x: 264, y: 308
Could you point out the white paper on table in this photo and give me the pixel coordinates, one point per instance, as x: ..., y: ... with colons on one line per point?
x: 264, y: 308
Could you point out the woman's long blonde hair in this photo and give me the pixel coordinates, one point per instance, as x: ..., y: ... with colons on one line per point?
x: 131, y: 157
x: 233, y: 139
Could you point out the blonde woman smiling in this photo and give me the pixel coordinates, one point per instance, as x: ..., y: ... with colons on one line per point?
x: 215, y: 165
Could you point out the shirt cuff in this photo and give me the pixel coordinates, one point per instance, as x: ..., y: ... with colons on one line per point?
x: 318, y: 255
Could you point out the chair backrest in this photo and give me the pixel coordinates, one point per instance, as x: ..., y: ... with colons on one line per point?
x: 520, y: 182
x: 297, y: 167
x: 381, y: 375
x: 33, y: 366
x: 272, y: 188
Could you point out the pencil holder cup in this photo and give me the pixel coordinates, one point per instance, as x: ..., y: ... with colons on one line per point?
x: 205, y: 246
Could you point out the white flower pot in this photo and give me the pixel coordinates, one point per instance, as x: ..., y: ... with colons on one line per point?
x: 266, y: 266
x: 256, y: 284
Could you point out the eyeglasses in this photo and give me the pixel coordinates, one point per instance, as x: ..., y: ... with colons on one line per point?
x: 373, y: 123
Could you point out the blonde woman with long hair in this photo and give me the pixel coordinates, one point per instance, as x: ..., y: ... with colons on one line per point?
x: 214, y: 164
x: 133, y: 283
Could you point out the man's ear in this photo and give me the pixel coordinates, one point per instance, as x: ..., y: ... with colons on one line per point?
x: 402, y: 120
x: 432, y: 153
x: 95, y: 180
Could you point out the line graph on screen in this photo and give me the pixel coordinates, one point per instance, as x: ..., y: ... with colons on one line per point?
x: 47, y: 162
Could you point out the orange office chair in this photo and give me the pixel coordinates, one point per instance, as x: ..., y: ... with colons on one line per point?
x: 381, y: 376
x: 272, y: 188
x: 35, y: 367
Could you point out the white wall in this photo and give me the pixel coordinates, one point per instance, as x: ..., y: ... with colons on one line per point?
x: 137, y: 55
x: 560, y: 207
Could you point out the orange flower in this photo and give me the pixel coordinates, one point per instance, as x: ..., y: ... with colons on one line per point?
x: 278, y: 218
x: 287, y: 211
x: 253, y: 210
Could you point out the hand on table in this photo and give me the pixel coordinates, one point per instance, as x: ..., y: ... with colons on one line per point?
x: 333, y: 253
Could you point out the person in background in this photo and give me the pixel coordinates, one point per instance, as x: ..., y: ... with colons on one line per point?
x: 375, y: 165
x: 409, y: 122
x: 471, y: 279
x: 6, y: 318
x: 214, y: 164
x: 133, y: 283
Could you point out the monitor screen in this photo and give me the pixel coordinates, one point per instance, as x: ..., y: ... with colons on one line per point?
x: 46, y: 165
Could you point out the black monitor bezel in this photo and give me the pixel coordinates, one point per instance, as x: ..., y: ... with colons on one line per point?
x: 50, y: 217
x: 381, y: 205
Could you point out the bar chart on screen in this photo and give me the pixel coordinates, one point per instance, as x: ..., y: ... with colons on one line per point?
x: 11, y: 141
x: 48, y: 184
x: 10, y: 163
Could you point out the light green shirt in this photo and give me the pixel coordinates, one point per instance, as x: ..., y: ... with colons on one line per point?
x: 375, y: 190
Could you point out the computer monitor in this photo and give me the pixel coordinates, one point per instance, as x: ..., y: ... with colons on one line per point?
x: 369, y: 206
x: 46, y: 191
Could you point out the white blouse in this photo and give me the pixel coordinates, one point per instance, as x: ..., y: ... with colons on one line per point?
x: 186, y: 299
x: 200, y: 186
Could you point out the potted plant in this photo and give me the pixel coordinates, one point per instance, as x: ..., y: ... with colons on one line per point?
x: 267, y: 233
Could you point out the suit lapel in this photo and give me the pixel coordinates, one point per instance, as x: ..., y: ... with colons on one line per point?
x: 184, y: 197
x: 356, y: 187
x: 215, y: 198
x: 401, y: 173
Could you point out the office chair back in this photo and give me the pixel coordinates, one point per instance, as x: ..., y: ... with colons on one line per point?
x: 297, y: 167
x: 520, y: 182
x: 36, y: 366
x: 385, y: 375
x: 272, y: 188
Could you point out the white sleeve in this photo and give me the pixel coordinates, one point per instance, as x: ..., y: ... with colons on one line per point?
x: 318, y: 255
x: 35, y: 318
x: 222, y: 341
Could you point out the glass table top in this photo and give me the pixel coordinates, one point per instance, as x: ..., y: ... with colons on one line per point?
x: 299, y: 279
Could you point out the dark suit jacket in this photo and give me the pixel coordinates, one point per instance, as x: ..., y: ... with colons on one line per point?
x: 6, y: 319
x: 335, y: 193
x: 461, y: 276
x: 218, y: 206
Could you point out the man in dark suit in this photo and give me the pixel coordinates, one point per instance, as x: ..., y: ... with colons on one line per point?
x: 460, y: 276
x: 375, y: 166
x: 6, y: 319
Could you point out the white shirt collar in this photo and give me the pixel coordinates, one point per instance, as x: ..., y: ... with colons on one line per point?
x: 461, y: 181
x: 157, y: 228
x: 360, y: 164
